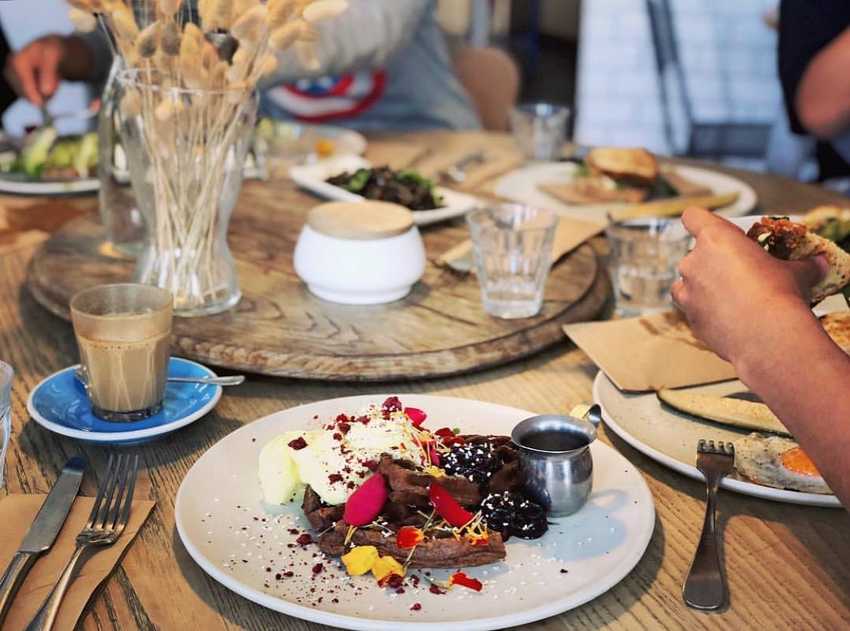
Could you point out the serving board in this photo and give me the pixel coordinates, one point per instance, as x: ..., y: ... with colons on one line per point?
x: 280, y: 329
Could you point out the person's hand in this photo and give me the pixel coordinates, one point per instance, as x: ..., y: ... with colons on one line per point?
x: 34, y: 70
x: 733, y: 293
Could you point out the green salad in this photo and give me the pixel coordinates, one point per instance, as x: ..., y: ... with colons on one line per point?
x: 46, y: 156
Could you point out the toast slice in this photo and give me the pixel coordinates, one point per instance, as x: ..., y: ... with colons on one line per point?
x: 628, y: 165
x: 792, y: 241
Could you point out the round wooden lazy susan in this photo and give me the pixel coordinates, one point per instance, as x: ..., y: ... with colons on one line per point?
x: 280, y: 329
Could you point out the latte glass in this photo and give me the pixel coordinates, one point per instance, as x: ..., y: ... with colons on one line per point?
x: 124, y: 335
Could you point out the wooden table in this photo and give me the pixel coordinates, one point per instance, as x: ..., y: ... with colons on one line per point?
x: 788, y: 566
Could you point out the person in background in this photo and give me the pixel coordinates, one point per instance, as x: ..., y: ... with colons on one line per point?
x: 383, y: 65
x: 814, y: 57
x: 742, y: 303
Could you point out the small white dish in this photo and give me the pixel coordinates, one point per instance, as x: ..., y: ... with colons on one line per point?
x: 313, y: 178
x: 360, y: 253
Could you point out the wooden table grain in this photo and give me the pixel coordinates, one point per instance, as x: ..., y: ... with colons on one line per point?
x: 788, y: 566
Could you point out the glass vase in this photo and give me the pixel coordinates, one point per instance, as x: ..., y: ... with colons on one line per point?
x: 185, y: 152
x: 119, y: 212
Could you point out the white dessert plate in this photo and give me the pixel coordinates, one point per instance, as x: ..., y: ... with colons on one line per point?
x: 313, y: 178
x: 226, y: 529
x: 670, y: 437
x: 522, y: 185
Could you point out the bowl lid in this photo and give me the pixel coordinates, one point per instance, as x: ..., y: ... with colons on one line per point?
x: 360, y: 220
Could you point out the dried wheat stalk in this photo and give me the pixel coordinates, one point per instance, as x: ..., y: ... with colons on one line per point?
x: 192, y: 107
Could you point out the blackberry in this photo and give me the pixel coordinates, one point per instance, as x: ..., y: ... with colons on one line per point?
x: 529, y: 520
x: 474, y: 461
x: 513, y: 514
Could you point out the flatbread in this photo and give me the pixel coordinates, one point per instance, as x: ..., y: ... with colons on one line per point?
x: 792, y: 241
x: 837, y: 326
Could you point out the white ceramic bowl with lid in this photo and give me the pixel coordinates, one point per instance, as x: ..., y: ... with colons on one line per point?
x: 360, y: 253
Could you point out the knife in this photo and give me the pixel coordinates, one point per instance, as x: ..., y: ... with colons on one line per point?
x: 736, y: 412
x: 47, y: 524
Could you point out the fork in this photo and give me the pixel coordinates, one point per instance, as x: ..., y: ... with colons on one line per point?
x: 456, y: 172
x: 705, y: 585
x: 107, y: 521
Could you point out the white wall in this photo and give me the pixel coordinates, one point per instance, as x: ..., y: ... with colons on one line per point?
x: 23, y: 22
x: 728, y: 53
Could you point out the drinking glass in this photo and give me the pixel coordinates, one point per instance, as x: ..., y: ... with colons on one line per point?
x: 124, y: 335
x: 513, y: 253
x: 540, y: 129
x: 6, y: 374
x: 643, y: 260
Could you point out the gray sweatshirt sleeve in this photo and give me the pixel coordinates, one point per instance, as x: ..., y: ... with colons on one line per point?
x: 364, y: 37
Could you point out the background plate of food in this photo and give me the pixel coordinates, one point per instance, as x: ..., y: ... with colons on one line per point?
x: 609, y: 180
x: 45, y: 163
x: 768, y: 462
x: 289, y: 140
x: 270, y: 553
x: 352, y: 179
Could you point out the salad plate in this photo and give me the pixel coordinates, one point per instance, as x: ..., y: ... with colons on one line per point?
x: 60, y: 404
x: 261, y: 552
x: 48, y: 164
x: 313, y: 177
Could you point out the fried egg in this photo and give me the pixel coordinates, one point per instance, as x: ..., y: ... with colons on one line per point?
x: 778, y: 462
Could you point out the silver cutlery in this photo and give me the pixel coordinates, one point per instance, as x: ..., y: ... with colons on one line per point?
x: 46, y: 526
x: 705, y: 585
x: 108, y: 518
x: 231, y: 380
x: 456, y: 172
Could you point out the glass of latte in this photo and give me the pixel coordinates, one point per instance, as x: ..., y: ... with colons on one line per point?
x: 124, y: 335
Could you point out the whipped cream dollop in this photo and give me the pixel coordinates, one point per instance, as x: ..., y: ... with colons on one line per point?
x: 336, y: 459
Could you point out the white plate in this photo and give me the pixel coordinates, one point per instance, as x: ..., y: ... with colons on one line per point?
x: 313, y: 176
x: 220, y: 497
x: 671, y: 438
x: 522, y: 186
x: 298, y: 140
x: 12, y: 186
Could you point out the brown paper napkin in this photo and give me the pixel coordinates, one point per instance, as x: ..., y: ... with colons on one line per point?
x: 569, y: 234
x: 16, y: 515
x: 658, y: 351
x: 396, y: 155
x: 496, y: 161
x: 649, y: 353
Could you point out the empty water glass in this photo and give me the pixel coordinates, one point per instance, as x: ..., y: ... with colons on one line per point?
x: 6, y: 374
x: 513, y: 252
x: 540, y: 129
x: 643, y: 260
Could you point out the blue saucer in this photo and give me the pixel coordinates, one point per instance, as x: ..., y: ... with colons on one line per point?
x: 60, y: 404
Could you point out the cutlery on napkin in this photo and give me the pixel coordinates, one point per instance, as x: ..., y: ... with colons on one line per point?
x: 16, y: 514
x: 42, y: 533
x: 569, y: 234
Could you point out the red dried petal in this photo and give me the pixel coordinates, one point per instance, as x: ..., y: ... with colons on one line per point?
x: 409, y: 537
x: 459, y: 578
x: 366, y: 502
x: 448, y: 507
x: 416, y: 416
x: 298, y: 443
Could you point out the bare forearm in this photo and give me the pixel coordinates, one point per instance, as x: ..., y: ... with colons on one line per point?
x: 809, y: 391
x: 823, y: 96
